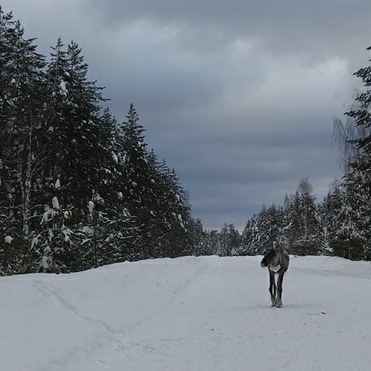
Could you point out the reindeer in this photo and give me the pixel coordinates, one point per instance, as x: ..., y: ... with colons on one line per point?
x: 277, y: 260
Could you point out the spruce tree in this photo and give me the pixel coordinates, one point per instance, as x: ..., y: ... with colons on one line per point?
x: 354, y: 139
x: 344, y: 234
x: 76, y: 189
x: 79, y: 143
x: 22, y: 116
x: 246, y: 246
x: 229, y: 240
x: 358, y: 179
x: 136, y: 185
x: 153, y: 194
x: 263, y: 231
x: 304, y: 231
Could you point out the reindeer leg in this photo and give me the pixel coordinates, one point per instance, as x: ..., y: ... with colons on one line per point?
x: 272, y: 288
x: 279, y: 289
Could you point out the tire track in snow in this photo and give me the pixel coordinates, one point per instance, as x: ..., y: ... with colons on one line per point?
x: 110, y: 337
x: 209, y: 314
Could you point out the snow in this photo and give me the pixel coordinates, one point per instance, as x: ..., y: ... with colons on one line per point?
x: 91, y: 206
x: 8, y: 239
x: 204, y: 313
x: 62, y: 88
x: 48, y: 212
x: 55, y: 203
x: 115, y: 158
x: 34, y: 242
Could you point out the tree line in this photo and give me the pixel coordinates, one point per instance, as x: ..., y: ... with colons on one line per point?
x: 77, y: 188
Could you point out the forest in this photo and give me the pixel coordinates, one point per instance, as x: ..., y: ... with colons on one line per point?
x: 80, y: 189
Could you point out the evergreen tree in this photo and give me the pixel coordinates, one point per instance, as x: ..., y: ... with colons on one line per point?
x: 76, y: 189
x: 154, y: 195
x: 210, y: 242
x: 354, y: 139
x: 197, y: 233
x: 136, y: 180
x: 246, y: 246
x: 80, y: 150
x: 262, y: 231
x: 229, y: 240
x: 345, y: 238
x: 53, y: 241
x: 174, y: 214
x: 304, y: 232
x: 21, y: 113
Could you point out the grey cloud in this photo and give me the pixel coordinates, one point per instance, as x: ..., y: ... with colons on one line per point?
x: 282, y: 26
x: 237, y: 96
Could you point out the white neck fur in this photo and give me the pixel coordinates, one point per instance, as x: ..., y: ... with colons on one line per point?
x: 275, y: 269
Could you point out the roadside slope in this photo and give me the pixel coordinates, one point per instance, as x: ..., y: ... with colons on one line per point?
x: 190, y: 313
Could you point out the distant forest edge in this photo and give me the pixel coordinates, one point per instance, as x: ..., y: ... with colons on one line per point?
x: 78, y: 189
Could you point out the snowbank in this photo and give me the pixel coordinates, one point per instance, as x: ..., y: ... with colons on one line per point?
x: 205, y: 313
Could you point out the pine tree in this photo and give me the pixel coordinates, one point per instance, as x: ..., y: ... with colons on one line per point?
x: 76, y: 189
x: 197, y: 238
x: 77, y: 146
x: 358, y: 179
x: 304, y: 231
x: 79, y: 149
x: 22, y: 115
x: 246, y: 246
x: 153, y: 194
x: 229, y: 240
x: 174, y: 213
x: 345, y: 236
x: 136, y: 185
x: 210, y: 242
x: 263, y: 231
x: 53, y: 241
x: 354, y: 138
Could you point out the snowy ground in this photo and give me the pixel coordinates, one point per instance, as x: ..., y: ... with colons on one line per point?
x: 204, y: 313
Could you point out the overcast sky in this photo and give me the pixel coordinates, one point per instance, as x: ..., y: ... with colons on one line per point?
x: 238, y: 96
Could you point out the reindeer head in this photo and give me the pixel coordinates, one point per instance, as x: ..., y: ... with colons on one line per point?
x: 269, y: 256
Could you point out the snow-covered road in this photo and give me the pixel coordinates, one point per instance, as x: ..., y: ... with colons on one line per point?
x: 204, y: 313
